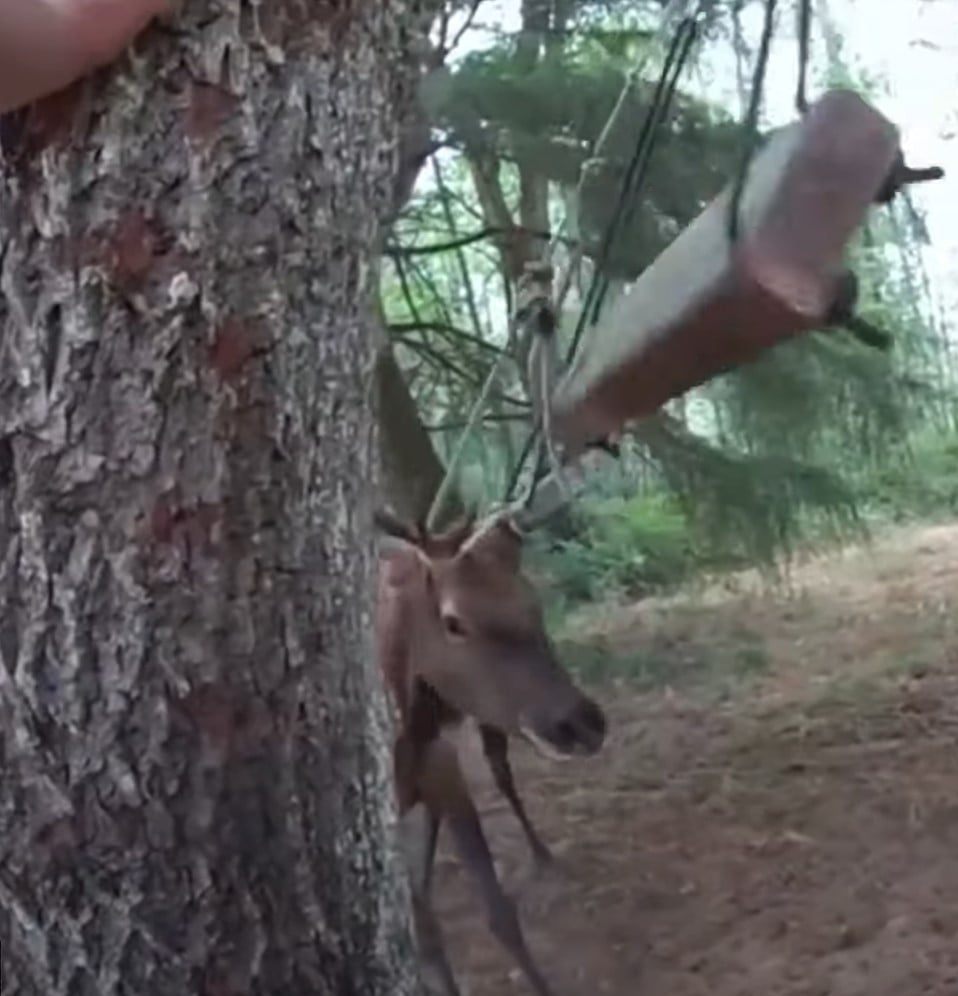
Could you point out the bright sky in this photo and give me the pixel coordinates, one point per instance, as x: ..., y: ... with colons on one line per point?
x: 911, y: 46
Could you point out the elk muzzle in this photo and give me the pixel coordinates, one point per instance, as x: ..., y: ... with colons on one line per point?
x: 576, y: 729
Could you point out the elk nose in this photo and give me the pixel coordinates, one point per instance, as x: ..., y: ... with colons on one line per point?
x: 582, y: 730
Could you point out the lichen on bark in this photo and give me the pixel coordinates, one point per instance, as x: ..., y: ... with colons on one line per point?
x: 194, y: 788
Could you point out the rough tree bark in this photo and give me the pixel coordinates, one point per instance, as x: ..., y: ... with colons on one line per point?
x: 194, y: 789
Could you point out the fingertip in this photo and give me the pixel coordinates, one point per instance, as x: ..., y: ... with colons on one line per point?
x: 101, y: 29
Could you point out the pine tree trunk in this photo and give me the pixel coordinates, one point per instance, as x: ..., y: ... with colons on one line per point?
x: 195, y: 795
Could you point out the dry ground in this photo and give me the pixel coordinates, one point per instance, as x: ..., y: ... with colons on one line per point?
x: 780, y: 820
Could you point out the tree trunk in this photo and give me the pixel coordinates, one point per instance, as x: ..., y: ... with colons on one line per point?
x: 195, y: 795
x: 410, y: 468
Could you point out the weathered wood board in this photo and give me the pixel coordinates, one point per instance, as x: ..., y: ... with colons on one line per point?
x: 706, y: 306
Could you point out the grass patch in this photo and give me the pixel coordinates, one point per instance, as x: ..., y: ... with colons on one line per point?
x: 670, y: 658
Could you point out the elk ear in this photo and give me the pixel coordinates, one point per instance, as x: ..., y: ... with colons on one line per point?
x: 498, y: 538
x: 405, y: 565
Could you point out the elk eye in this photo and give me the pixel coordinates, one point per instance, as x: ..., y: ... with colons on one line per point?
x: 454, y: 626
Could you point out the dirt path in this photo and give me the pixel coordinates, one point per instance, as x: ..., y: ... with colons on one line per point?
x: 782, y: 820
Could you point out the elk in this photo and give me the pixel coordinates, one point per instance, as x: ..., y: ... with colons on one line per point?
x: 460, y: 633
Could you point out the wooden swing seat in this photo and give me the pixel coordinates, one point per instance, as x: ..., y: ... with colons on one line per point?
x: 706, y: 305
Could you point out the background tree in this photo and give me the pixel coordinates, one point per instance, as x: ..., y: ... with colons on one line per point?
x: 194, y: 790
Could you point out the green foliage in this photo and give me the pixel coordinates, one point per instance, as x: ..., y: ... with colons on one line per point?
x: 754, y: 505
x: 626, y: 547
x: 712, y: 511
x: 547, y: 118
x: 918, y: 481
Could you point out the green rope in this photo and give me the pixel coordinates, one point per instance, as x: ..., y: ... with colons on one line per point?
x: 804, y: 35
x: 622, y: 219
x: 751, y: 120
x: 636, y: 171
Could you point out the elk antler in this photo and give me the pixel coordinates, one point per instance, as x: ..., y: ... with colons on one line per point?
x: 523, y: 516
x: 446, y: 543
x: 393, y: 526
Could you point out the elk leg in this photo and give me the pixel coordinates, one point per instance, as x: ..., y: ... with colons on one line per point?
x: 495, y: 745
x: 419, y: 832
x: 437, y: 973
x: 445, y: 791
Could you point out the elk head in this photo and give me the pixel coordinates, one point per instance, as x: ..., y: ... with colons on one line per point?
x: 477, y: 634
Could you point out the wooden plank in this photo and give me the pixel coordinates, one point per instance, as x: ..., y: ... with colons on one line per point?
x: 704, y: 306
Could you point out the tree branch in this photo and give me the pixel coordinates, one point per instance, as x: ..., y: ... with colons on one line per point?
x: 490, y: 231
